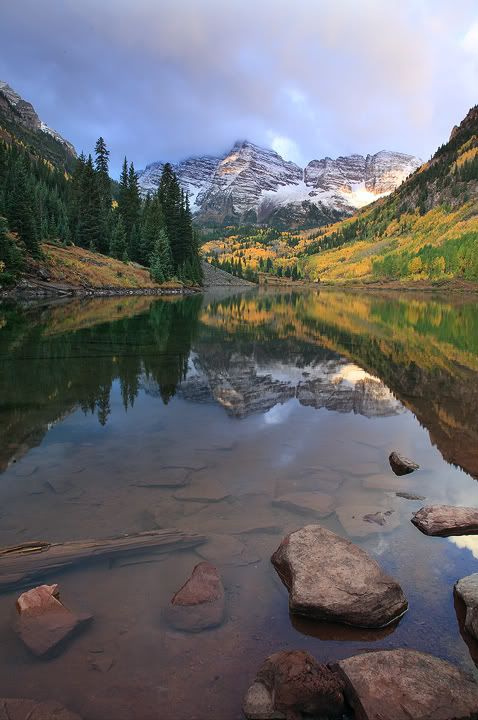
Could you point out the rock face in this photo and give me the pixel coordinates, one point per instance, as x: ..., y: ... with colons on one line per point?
x: 19, y: 709
x: 291, y: 683
x: 18, y: 111
x: 401, y: 465
x: 405, y: 684
x: 43, y: 622
x: 329, y: 578
x: 200, y: 603
x: 467, y: 590
x: 445, y: 520
x: 251, y: 183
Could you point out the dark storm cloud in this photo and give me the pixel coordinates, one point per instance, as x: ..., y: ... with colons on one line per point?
x: 165, y: 79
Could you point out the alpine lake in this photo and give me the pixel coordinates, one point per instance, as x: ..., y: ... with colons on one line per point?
x: 206, y: 414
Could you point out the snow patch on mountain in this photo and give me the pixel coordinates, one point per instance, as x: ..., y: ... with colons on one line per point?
x: 251, y: 183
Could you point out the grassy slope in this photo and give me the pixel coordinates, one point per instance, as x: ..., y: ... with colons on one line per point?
x: 426, y: 231
x: 78, y: 267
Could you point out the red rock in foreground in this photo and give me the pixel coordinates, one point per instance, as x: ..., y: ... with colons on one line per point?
x: 406, y: 685
x: 290, y: 683
x: 19, y: 709
x: 446, y: 520
x: 43, y: 622
x: 329, y: 578
x: 200, y: 603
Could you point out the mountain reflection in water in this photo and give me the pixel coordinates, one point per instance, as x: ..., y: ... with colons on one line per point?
x: 228, y: 417
x: 366, y: 354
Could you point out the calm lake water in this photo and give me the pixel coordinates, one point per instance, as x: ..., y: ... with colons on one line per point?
x: 245, y: 399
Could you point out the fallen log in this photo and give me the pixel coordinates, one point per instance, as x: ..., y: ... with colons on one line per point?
x: 22, y: 565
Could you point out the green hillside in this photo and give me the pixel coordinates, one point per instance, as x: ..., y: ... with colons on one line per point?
x: 427, y: 230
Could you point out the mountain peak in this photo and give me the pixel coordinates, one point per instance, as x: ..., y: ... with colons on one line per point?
x: 15, y: 112
x: 255, y: 184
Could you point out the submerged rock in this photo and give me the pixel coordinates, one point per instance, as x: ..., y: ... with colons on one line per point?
x: 363, y: 520
x: 467, y: 590
x: 406, y: 684
x: 445, y: 520
x: 306, y: 502
x: 401, y: 465
x: 227, y: 550
x: 43, y: 622
x: 409, y: 496
x: 19, y: 709
x: 329, y: 578
x: 290, y: 683
x: 200, y: 603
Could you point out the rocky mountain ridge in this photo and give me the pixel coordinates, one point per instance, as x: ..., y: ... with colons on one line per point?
x: 254, y: 184
x: 18, y: 117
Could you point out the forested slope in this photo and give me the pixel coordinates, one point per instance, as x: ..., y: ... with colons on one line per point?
x: 426, y: 230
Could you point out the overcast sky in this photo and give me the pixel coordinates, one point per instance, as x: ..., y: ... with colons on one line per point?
x: 164, y: 79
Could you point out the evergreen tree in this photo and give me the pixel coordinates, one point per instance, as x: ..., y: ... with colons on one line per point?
x: 104, y: 188
x: 118, y: 239
x: 89, y: 222
x: 20, y: 208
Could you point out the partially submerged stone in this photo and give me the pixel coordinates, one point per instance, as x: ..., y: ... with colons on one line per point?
x: 43, y: 622
x: 406, y: 684
x: 402, y: 465
x: 445, y: 520
x: 200, y: 603
x: 467, y: 590
x: 409, y: 496
x: 305, y: 502
x: 20, y: 709
x: 363, y: 520
x: 329, y: 578
x: 292, y: 683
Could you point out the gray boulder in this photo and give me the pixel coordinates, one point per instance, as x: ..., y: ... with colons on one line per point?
x: 329, y: 578
x: 406, y: 685
x: 445, y: 520
x: 467, y: 590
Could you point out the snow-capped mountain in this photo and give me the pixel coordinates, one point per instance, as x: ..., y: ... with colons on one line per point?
x: 19, y: 112
x: 256, y: 184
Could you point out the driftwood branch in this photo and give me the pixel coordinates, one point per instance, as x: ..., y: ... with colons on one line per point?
x: 24, y: 564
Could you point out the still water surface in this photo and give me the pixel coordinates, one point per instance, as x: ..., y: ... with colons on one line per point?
x: 242, y: 400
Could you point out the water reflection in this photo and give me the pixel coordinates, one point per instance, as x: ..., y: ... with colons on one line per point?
x: 224, y: 417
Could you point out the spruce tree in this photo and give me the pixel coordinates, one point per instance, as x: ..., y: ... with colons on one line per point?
x: 118, y: 239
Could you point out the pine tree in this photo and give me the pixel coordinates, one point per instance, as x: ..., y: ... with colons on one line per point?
x: 118, y: 239
x: 89, y: 221
x: 20, y: 208
x: 104, y: 188
x: 164, y: 252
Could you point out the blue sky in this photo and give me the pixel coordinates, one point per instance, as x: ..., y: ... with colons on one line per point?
x: 164, y: 79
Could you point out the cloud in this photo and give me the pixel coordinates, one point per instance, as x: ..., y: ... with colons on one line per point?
x: 177, y: 77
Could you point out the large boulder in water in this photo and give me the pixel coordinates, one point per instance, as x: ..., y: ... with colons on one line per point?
x: 291, y: 683
x: 200, y: 603
x: 467, y: 590
x: 446, y: 520
x: 43, y: 622
x: 329, y: 578
x: 406, y: 684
